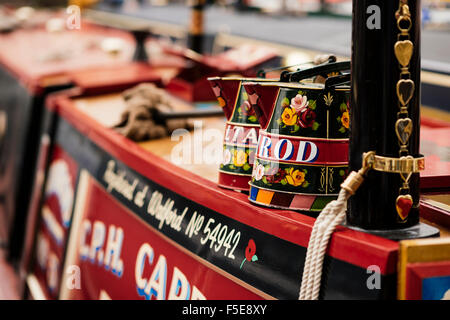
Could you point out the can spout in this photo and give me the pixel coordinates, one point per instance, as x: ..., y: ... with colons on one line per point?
x: 226, y: 92
x: 262, y: 99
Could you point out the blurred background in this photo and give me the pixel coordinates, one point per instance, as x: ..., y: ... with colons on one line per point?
x: 275, y: 20
x: 435, y: 12
x: 323, y: 25
x: 46, y: 48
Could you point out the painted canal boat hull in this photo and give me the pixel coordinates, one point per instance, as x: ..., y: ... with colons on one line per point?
x: 263, y: 257
x: 264, y: 241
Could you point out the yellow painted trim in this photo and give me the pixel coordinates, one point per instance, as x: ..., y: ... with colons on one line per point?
x: 420, y: 250
x: 434, y: 113
x: 441, y: 80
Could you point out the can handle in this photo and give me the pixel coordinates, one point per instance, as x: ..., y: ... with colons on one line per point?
x: 337, y: 80
x: 321, y: 59
x: 326, y: 68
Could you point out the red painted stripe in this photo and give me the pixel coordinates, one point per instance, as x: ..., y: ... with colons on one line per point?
x: 232, y: 181
x: 332, y: 152
x: 434, y: 214
x: 417, y: 272
x: 302, y: 202
x: 433, y: 123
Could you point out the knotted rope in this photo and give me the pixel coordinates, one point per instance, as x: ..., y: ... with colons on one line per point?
x: 331, y: 216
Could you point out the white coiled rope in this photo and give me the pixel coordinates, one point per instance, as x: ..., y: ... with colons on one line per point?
x: 331, y: 216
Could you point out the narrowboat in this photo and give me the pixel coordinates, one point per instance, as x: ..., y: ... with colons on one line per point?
x: 123, y: 198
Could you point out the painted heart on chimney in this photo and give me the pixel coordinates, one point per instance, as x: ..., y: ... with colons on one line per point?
x: 403, y: 129
x: 403, y: 205
x: 405, y: 90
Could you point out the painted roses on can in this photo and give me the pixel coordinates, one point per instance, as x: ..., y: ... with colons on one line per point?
x: 237, y: 159
x: 344, y: 118
x: 291, y: 176
x: 298, y: 113
x: 245, y: 112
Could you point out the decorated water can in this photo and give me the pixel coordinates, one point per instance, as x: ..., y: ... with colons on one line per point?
x: 302, y: 152
x: 241, y: 132
x: 242, y: 127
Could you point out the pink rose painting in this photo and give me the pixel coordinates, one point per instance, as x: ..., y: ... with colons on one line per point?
x: 299, y: 103
x: 298, y: 113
